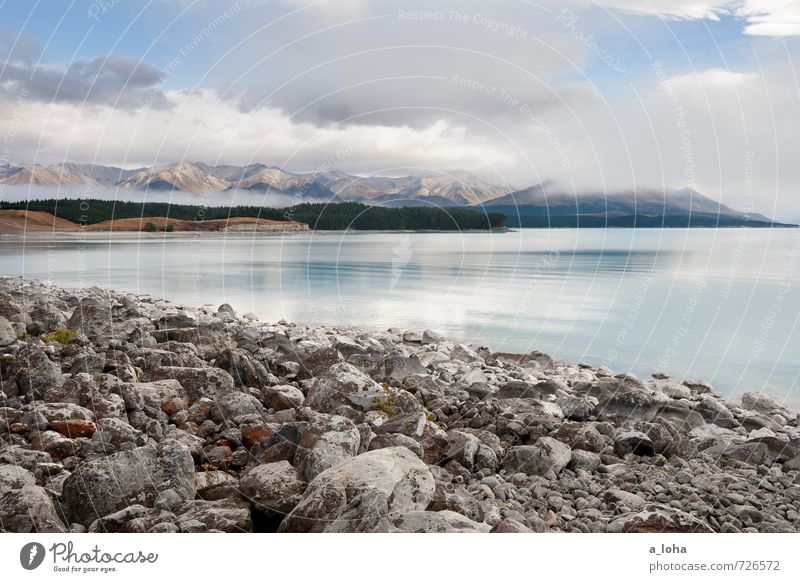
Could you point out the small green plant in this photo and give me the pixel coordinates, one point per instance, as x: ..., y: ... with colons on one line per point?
x: 62, y: 336
x: 169, y: 228
x: 388, y: 403
x: 149, y: 227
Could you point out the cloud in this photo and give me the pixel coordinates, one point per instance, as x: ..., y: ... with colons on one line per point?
x: 761, y: 17
x: 367, y: 89
x: 202, y: 127
x: 111, y: 80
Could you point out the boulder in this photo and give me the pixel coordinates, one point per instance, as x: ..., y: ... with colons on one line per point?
x: 138, y: 476
x: 760, y: 402
x: 282, y: 397
x: 430, y: 336
x: 245, y: 369
x: 344, y: 384
x: 57, y: 446
x: 584, y: 460
x: 236, y: 404
x: 93, y: 318
x: 578, y: 407
x: 715, y: 412
x: 315, y: 362
x: 29, y: 509
x: 7, y: 334
x: 462, y: 447
x: 38, y: 374
x: 629, y: 500
x: 213, y: 485
x: 222, y: 515
x: 329, y: 441
x: 411, y: 424
x: 213, y: 383
x: 360, y: 494
x: 580, y: 436
x: 658, y: 519
x: 13, y: 477
x: 444, y: 521
x: 633, y: 442
x: 74, y: 428
x: 383, y: 441
x: 544, y: 456
x: 398, y: 368
x: 273, y: 488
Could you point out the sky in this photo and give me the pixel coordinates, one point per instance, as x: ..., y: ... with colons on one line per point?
x: 592, y: 96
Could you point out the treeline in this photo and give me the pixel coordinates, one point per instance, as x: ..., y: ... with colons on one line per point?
x: 334, y: 216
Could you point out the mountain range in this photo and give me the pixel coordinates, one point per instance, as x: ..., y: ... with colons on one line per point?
x: 539, y: 205
x: 458, y: 188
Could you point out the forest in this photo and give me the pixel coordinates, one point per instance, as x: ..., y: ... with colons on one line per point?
x: 318, y: 216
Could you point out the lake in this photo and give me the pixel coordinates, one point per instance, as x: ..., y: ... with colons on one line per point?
x: 718, y: 305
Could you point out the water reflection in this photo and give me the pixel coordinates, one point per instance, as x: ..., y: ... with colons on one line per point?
x: 690, y: 302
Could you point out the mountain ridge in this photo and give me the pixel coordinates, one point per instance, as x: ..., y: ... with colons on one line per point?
x: 455, y: 188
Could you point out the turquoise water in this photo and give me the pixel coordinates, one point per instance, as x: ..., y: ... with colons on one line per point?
x: 719, y: 305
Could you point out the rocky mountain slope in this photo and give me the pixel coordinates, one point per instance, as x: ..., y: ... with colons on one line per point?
x: 545, y: 205
x: 454, y: 189
x: 123, y: 413
x: 540, y: 205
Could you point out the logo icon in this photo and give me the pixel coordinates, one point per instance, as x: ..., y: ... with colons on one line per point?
x: 31, y: 555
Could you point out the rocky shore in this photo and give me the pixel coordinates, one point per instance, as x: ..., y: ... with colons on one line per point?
x: 123, y: 413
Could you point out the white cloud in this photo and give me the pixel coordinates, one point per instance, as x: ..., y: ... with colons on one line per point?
x: 201, y: 127
x: 761, y: 17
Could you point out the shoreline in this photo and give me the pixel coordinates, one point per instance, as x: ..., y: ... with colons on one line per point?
x: 251, y: 425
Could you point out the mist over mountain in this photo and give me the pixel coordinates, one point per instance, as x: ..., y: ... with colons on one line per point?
x: 227, y: 185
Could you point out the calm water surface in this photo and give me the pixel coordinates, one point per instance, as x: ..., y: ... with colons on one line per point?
x: 720, y: 305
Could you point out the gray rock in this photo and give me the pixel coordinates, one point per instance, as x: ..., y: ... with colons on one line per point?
x: 580, y: 436
x: 792, y: 465
x: 411, y: 424
x: 431, y: 337
x: 383, y: 441
x: 633, y: 442
x: 656, y: 519
x: 546, y: 455
x: 584, y: 460
x: 214, y: 485
x: 444, y: 521
x: 111, y: 483
x: 38, y: 374
x: 329, y: 441
x: 226, y: 308
x: 223, y: 515
x: 198, y: 383
x: 274, y: 488
x: 93, y: 318
x: 315, y: 362
x: 237, y: 404
x: 462, y: 447
x: 282, y: 397
x: 7, y: 334
x: 399, y: 368
x: 715, y: 412
x: 29, y: 510
x: 245, y: 369
x: 360, y: 494
x: 344, y: 384
x: 578, y: 408
x: 13, y: 477
x: 511, y: 525
x: 759, y: 402
x: 629, y: 500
